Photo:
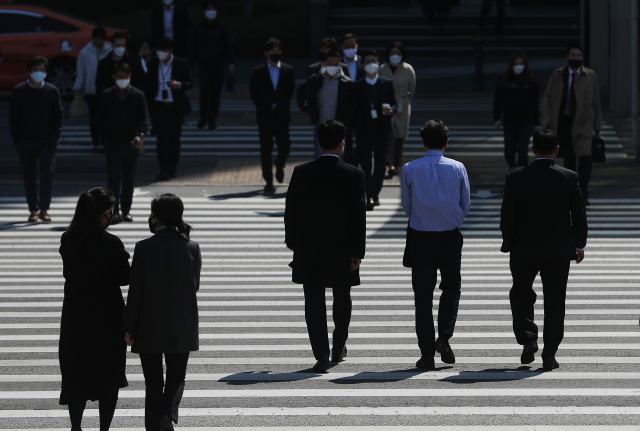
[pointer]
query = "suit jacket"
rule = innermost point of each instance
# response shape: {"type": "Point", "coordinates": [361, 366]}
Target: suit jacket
{"type": "Point", "coordinates": [361, 73]}
{"type": "Point", "coordinates": [316, 67]}
{"type": "Point", "coordinates": [264, 96]}
{"type": "Point", "coordinates": [121, 121]}
{"type": "Point", "coordinates": [162, 309]}
{"type": "Point", "coordinates": [181, 73]}
{"type": "Point", "coordinates": [104, 75]}
{"type": "Point", "coordinates": [543, 215]}
{"type": "Point", "coordinates": [181, 27]}
{"type": "Point", "coordinates": [325, 222]}
{"type": "Point", "coordinates": [307, 96]}
{"type": "Point", "coordinates": [384, 94]}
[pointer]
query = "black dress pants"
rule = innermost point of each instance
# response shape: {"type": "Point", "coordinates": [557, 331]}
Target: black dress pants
{"type": "Point", "coordinates": [122, 158]}
{"type": "Point", "coordinates": [554, 276]}
{"type": "Point", "coordinates": [159, 402]}
{"type": "Point", "coordinates": [167, 122]}
{"type": "Point", "coordinates": [430, 252]}
{"type": "Point", "coordinates": [315, 314]}
{"type": "Point", "coordinates": [37, 156]}
{"type": "Point", "coordinates": [92, 107]}
{"type": "Point", "coordinates": [275, 125]}
{"type": "Point", "coordinates": [372, 140]}
{"type": "Point", "coordinates": [567, 152]}
{"type": "Point", "coordinates": [106, 407]}
{"type": "Point", "coordinates": [211, 81]}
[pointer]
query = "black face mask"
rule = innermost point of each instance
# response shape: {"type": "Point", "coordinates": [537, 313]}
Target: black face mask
{"type": "Point", "coordinates": [152, 226]}
{"type": "Point", "coordinates": [275, 57]}
{"type": "Point", "coordinates": [575, 63]}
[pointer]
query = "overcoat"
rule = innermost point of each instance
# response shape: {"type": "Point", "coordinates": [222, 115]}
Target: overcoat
{"type": "Point", "coordinates": [404, 84]}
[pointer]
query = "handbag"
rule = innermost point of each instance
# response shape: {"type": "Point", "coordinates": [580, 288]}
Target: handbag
{"type": "Point", "coordinates": [598, 149]}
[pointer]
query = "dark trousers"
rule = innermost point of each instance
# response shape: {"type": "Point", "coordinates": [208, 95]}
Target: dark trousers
{"type": "Point", "coordinates": [122, 158]}
{"type": "Point", "coordinates": [516, 139]}
{"type": "Point", "coordinates": [486, 8]}
{"type": "Point", "coordinates": [37, 156]}
{"type": "Point", "coordinates": [430, 252]}
{"type": "Point", "coordinates": [554, 276]}
{"type": "Point", "coordinates": [268, 128]}
{"type": "Point", "coordinates": [167, 123]}
{"type": "Point", "coordinates": [372, 140]}
{"type": "Point", "coordinates": [159, 402]}
{"type": "Point", "coordinates": [211, 81]}
{"type": "Point", "coordinates": [396, 147]}
{"type": "Point", "coordinates": [315, 314]}
{"type": "Point", "coordinates": [106, 407]}
{"type": "Point", "coordinates": [567, 152]}
{"type": "Point", "coordinates": [92, 107]}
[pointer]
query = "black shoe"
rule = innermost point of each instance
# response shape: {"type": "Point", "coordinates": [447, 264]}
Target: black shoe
{"type": "Point", "coordinates": [446, 354]}
{"type": "Point", "coordinates": [163, 176]}
{"type": "Point", "coordinates": [280, 175]}
{"type": "Point", "coordinates": [322, 366]}
{"type": "Point", "coordinates": [201, 124]}
{"type": "Point", "coordinates": [586, 202]}
{"type": "Point", "coordinates": [212, 125]}
{"type": "Point", "coordinates": [115, 219]}
{"type": "Point", "coordinates": [550, 364]}
{"type": "Point", "coordinates": [376, 201]}
{"type": "Point", "coordinates": [173, 174]}
{"type": "Point", "coordinates": [426, 363]}
{"type": "Point", "coordinates": [166, 424]}
{"type": "Point", "coordinates": [127, 218]}
{"type": "Point", "coordinates": [392, 172]}
{"type": "Point", "coordinates": [339, 356]}
{"type": "Point", "coordinates": [370, 205]}
{"type": "Point", "coordinates": [528, 351]}
{"type": "Point", "coordinates": [269, 188]}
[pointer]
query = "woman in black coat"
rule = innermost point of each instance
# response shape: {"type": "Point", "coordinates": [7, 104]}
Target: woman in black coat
{"type": "Point", "coordinates": [161, 317]}
{"type": "Point", "coordinates": [92, 352]}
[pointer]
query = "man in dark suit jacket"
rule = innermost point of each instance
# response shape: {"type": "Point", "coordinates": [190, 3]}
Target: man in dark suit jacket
{"type": "Point", "coordinates": [271, 87]}
{"type": "Point", "coordinates": [319, 191]}
{"type": "Point", "coordinates": [376, 105]}
{"type": "Point", "coordinates": [354, 62]}
{"type": "Point", "coordinates": [168, 80]}
{"type": "Point", "coordinates": [104, 74]}
{"type": "Point", "coordinates": [544, 227]}
{"type": "Point", "coordinates": [172, 20]}
{"type": "Point", "coordinates": [327, 44]}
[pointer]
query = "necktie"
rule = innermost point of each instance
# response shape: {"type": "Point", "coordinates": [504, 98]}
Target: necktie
{"type": "Point", "coordinates": [572, 95]}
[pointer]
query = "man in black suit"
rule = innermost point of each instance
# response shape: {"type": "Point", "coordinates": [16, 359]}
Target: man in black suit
{"type": "Point", "coordinates": [349, 45]}
{"type": "Point", "coordinates": [327, 44]}
{"type": "Point", "coordinates": [326, 190]}
{"type": "Point", "coordinates": [544, 227]}
{"type": "Point", "coordinates": [104, 74]}
{"type": "Point", "coordinates": [168, 80]}
{"type": "Point", "coordinates": [376, 105]}
{"type": "Point", "coordinates": [172, 20]}
{"type": "Point", "coordinates": [271, 87]}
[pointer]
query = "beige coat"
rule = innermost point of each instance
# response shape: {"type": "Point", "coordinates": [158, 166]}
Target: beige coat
{"type": "Point", "coordinates": [404, 84]}
{"type": "Point", "coordinates": [588, 112]}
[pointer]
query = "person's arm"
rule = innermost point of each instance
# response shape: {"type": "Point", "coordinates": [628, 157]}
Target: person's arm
{"type": "Point", "coordinates": [292, 210]}
{"type": "Point", "coordinates": [498, 104]}
{"type": "Point", "coordinates": [579, 224]}
{"type": "Point", "coordinates": [186, 83]}
{"type": "Point", "coordinates": [14, 115]}
{"type": "Point", "coordinates": [358, 219]}
{"type": "Point", "coordinates": [405, 191]}
{"type": "Point", "coordinates": [597, 109]}
{"type": "Point", "coordinates": [291, 84]}
{"type": "Point", "coordinates": [508, 215]}
{"type": "Point", "coordinates": [100, 75]}
{"type": "Point", "coordinates": [465, 193]}
{"type": "Point", "coordinates": [412, 84]}
{"type": "Point", "coordinates": [58, 114]}
{"type": "Point", "coordinates": [546, 104]}
{"type": "Point", "coordinates": [197, 267]}
{"type": "Point", "coordinates": [301, 95]}
{"type": "Point", "coordinates": [352, 100]}
{"type": "Point", "coordinates": [134, 296]}
{"type": "Point", "coordinates": [535, 103]}
{"type": "Point", "coordinates": [121, 270]}
{"type": "Point", "coordinates": [391, 98]}
{"type": "Point", "coordinates": [78, 86]}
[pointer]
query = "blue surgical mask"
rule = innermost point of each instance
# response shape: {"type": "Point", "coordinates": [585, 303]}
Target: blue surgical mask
{"type": "Point", "coordinates": [38, 76]}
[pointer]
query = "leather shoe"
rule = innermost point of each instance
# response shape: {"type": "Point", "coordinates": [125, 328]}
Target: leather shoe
{"type": "Point", "coordinates": [127, 218]}
{"type": "Point", "coordinates": [166, 424]}
{"type": "Point", "coordinates": [163, 176]}
{"type": "Point", "coordinates": [528, 351]}
{"type": "Point", "coordinates": [279, 174]}
{"type": "Point", "coordinates": [370, 205]}
{"type": "Point", "coordinates": [550, 364]}
{"type": "Point", "coordinates": [338, 356]}
{"type": "Point", "coordinates": [322, 366]}
{"type": "Point", "coordinates": [446, 354]}
{"type": "Point", "coordinates": [269, 188]}
{"type": "Point", "coordinates": [44, 216]}
{"type": "Point", "coordinates": [426, 363]}
{"type": "Point", "coordinates": [376, 201]}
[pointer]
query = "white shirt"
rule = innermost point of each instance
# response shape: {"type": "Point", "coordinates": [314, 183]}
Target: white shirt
{"type": "Point", "coordinates": [168, 21]}
{"type": "Point", "coordinates": [164, 77]}
{"type": "Point", "coordinates": [571, 77]}
{"type": "Point", "coordinates": [353, 67]}
{"type": "Point", "coordinates": [144, 64]}
{"type": "Point", "coordinates": [372, 81]}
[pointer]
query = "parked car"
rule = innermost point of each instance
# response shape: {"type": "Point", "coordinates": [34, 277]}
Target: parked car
{"type": "Point", "coordinates": [27, 31]}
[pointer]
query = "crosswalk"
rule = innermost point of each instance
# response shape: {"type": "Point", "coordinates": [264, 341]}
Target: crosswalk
{"type": "Point", "coordinates": [253, 371]}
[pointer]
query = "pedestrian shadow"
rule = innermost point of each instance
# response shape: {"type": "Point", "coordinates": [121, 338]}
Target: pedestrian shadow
{"type": "Point", "coordinates": [257, 377]}
{"type": "Point", "coordinates": [249, 194]}
{"type": "Point", "coordinates": [268, 214]}
{"type": "Point", "coordinates": [26, 224]}
{"type": "Point", "coordinates": [494, 375]}
{"type": "Point", "coordinates": [385, 376]}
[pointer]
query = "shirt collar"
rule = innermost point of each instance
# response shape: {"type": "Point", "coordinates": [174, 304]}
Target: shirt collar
{"type": "Point", "coordinates": [334, 155]}
{"type": "Point", "coordinates": [434, 153]}
{"type": "Point", "coordinates": [169, 63]}
{"type": "Point", "coordinates": [372, 81]}
{"type": "Point", "coordinates": [355, 59]}
{"type": "Point", "coordinates": [277, 66]}
{"type": "Point", "coordinates": [41, 86]}
{"type": "Point", "coordinates": [578, 72]}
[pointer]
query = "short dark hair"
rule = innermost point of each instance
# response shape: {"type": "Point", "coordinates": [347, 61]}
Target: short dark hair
{"type": "Point", "coordinates": [164, 43]}
{"type": "Point", "coordinates": [207, 3]}
{"type": "Point", "coordinates": [574, 45]}
{"type": "Point", "coordinates": [330, 43]}
{"type": "Point", "coordinates": [118, 35]}
{"type": "Point", "coordinates": [98, 31]}
{"type": "Point", "coordinates": [545, 141]}
{"type": "Point", "coordinates": [332, 53]}
{"type": "Point", "coordinates": [395, 44]}
{"type": "Point", "coordinates": [348, 36]}
{"type": "Point", "coordinates": [366, 52]}
{"type": "Point", "coordinates": [271, 44]}
{"type": "Point", "coordinates": [330, 134]}
{"type": "Point", "coordinates": [121, 66]}
{"type": "Point", "coordinates": [434, 134]}
{"type": "Point", "coordinates": [36, 61]}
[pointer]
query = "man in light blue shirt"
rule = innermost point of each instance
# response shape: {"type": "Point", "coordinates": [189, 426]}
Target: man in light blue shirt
{"type": "Point", "coordinates": [435, 197]}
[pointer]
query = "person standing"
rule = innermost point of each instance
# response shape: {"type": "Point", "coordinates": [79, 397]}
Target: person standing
{"type": "Point", "coordinates": [436, 198]}
{"type": "Point", "coordinates": [572, 109]}
{"type": "Point", "coordinates": [172, 20]}
{"type": "Point", "coordinates": [544, 227]}
{"type": "Point", "coordinates": [144, 54]}
{"type": "Point", "coordinates": [323, 191]}
{"type": "Point", "coordinates": [168, 80]}
{"type": "Point", "coordinates": [86, 71]}
{"type": "Point", "coordinates": [376, 105]}
{"type": "Point", "coordinates": [329, 95]}
{"type": "Point", "coordinates": [516, 106]}
{"type": "Point", "coordinates": [122, 121]}
{"type": "Point", "coordinates": [35, 124]}
{"type": "Point", "coordinates": [349, 45]}
{"type": "Point", "coordinates": [104, 73]}
{"type": "Point", "coordinates": [327, 44]}
{"type": "Point", "coordinates": [211, 51]}
{"type": "Point", "coordinates": [404, 85]}
{"type": "Point", "coordinates": [271, 87]}
{"type": "Point", "coordinates": [92, 352]}
{"type": "Point", "coordinates": [161, 316]}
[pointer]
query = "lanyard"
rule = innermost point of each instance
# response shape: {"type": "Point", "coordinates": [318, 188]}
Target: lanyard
{"type": "Point", "coordinates": [162, 72]}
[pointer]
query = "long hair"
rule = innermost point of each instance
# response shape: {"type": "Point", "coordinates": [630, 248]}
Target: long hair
{"type": "Point", "coordinates": [510, 77]}
{"type": "Point", "coordinates": [168, 209]}
{"type": "Point", "coordinates": [85, 225]}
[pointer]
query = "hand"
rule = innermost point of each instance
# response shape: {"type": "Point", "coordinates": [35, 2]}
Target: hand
{"type": "Point", "coordinates": [387, 111]}
{"type": "Point", "coordinates": [128, 339]}
{"type": "Point", "coordinates": [232, 70]}
{"type": "Point", "coordinates": [173, 84]}
{"type": "Point", "coordinates": [355, 263]}
{"type": "Point", "coordinates": [139, 142]}
{"type": "Point", "coordinates": [579, 256]}
{"type": "Point", "coordinates": [498, 125]}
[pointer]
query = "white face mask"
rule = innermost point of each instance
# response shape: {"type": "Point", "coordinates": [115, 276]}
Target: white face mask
{"type": "Point", "coordinates": [119, 51]}
{"type": "Point", "coordinates": [518, 69]}
{"type": "Point", "coordinates": [371, 68]}
{"type": "Point", "coordinates": [162, 55]}
{"type": "Point", "coordinates": [167, 2]}
{"type": "Point", "coordinates": [331, 70]}
{"type": "Point", "coordinates": [211, 14]}
{"type": "Point", "coordinates": [350, 52]}
{"type": "Point", "coordinates": [38, 76]}
{"type": "Point", "coordinates": [123, 83]}
{"type": "Point", "coordinates": [395, 59]}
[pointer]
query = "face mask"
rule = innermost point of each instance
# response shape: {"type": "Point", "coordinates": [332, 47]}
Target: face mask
{"type": "Point", "coordinates": [162, 55]}
{"type": "Point", "coordinates": [167, 2]}
{"type": "Point", "coordinates": [275, 57]}
{"type": "Point", "coordinates": [350, 52]}
{"type": "Point", "coordinates": [37, 76]}
{"type": "Point", "coordinates": [152, 226]}
{"type": "Point", "coordinates": [395, 59]}
{"type": "Point", "coordinates": [575, 63]}
{"type": "Point", "coordinates": [371, 68]}
{"type": "Point", "coordinates": [119, 51]}
{"type": "Point", "coordinates": [518, 69]}
{"type": "Point", "coordinates": [123, 83]}
{"type": "Point", "coordinates": [332, 70]}
{"type": "Point", "coordinates": [211, 14]}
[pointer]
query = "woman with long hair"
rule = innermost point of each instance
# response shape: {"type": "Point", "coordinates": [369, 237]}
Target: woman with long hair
{"type": "Point", "coordinates": [516, 107]}
{"type": "Point", "coordinates": [92, 352]}
{"type": "Point", "coordinates": [161, 317]}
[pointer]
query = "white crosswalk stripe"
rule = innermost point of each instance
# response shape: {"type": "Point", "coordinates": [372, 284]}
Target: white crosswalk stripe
{"type": "Point", "coordinates": [253, 368]}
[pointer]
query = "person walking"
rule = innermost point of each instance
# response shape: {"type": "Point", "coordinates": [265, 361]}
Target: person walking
{"type": "Point", "coordinates": [123, 121]}
{"type": "Point", "coordinates": [404, 85]}
{"type": "Point", "coordinates": [544, 227]}
{"type": "Point", "coordinates": [35, 124]}
{"type": "Point", "coordinates": [321, 191]}
{"type": "Point", "coordinates": [144, 55]}
{"type": "Point", "coordinates": [211, 54]}
{"type": "Point", "coordinates": [329, 95]}
{"type": "Point", "coordinates": [349, 45]}
{"type": "Point", "coordinates": [516, 107]}
{"type": "Point", "coordinates": [271, 88]}
{"type": "Point", "coordinates": [572, 109]}
{"type": "Point", "coordinates": [436, 198]}
{"type": "Point", "coordinates": [161, 316]}
{"type": "Point", "coordinates": [92, 351]}
{"type": "Point", "coordinates": [171, 20]}
{"type": "Point", "coordinates": [168, 81]}
{"type": "Point", "coordinates": [376, 105]}
{"type": "Point", "coordinates": [327, 44]}
{"type": "Point", "coordinates": [85, 84]}
{"type": "Point", "coordinates": [104, 73]}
